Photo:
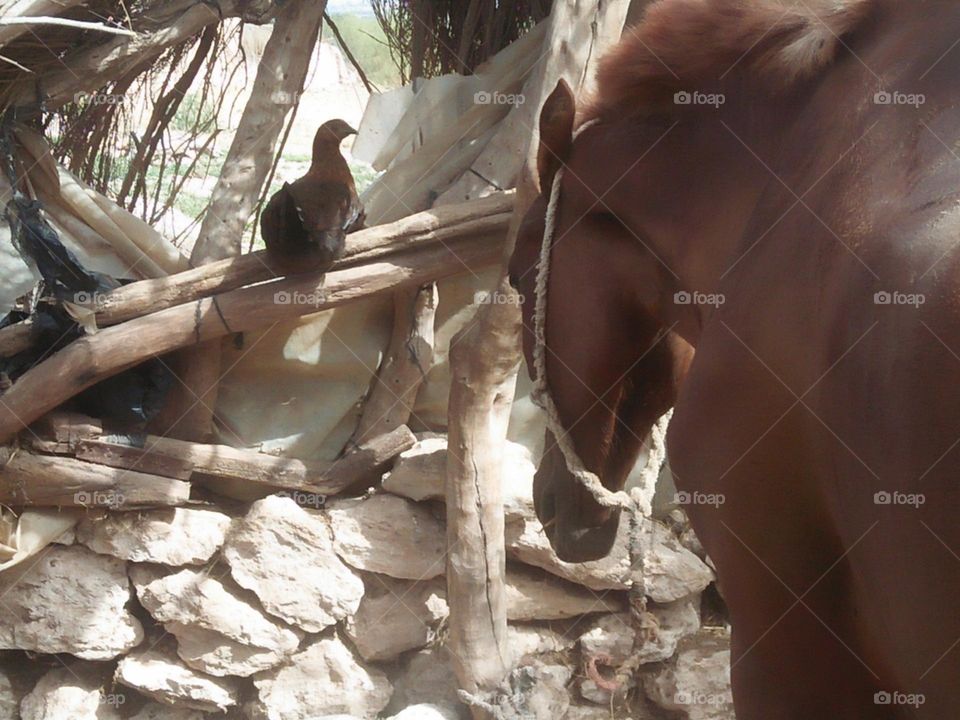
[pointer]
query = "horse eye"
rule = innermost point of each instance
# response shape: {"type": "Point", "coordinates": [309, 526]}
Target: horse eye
{"type": "Point", "coordinates": [300, 214]}
{"type": "Point", "coordinates": [513, 280]}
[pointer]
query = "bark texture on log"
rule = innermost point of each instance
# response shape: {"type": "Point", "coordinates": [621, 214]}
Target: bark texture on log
{"type": "Point", "coordinates": [47, 480]}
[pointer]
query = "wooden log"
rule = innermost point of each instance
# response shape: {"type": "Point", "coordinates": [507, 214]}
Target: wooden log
{"type": "Point", "coordinates": [40, 20]}
{"type": "Point", "coordinates": [484, 220]}
{"type": "Point", "coordinates": [484, 360]}
{"type": "Point", "coordinates": [281, 74]}
{"type": "Point", "coordinates": [16, 338]}
{"type": "Point", "coordinates": [405, 364]}
{"type": "Point", "coordinates": [134, 458]}
{"type": "Point", "coordinates": [28, 8]}
{"type": "Point", "coordinates": [48, 480]}
{"type": "Point", "coordinates": [93, 358]}
{"type": "Point", "coordinates": [479, 221]}
{"type": "Point", "coordinates": [72, 432]}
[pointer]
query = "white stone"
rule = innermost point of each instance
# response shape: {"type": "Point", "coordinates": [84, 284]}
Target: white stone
{"type": "Point", "coordinates": [218, 630]}
{"type": "Point", "coordinates": [699, 683]}
{"type": "Point", "coordinates": [532, 691]}
{"type": "Point", "coordinates": [158, 673]}
{"type": "Point", "coordinates": [156, 711]}
{"type": "Point", "coordinates": [70, 600]}
{"type": "Point", "coordinates": [324, 679]}
{"type": "Point", "coordinates": [397, 615]}
{"type": "Point", "coordinates": [173, 536]}
{"type": "Point", "coordinates": [672, 572]}
{"type": "Point", "coordinates": [70, 694]}
{"type": "Point", "coordinates": [390, 535]}
{"type": "Point", "coordinates": [537, 595]}
{"type": "Point", "coordinates": [420, 473]}
{"type": "Point", "coordinates": [426, 712]}
{"type": "Point", "coordinates": [528, 641]}
{"type": "Point", "coordinates": [285, 555]}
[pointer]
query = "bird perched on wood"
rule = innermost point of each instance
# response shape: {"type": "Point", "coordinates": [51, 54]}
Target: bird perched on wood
{"type": "Point", "coordinates": [310, 217]}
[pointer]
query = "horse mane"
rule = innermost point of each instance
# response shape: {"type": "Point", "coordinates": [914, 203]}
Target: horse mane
{"type": "Point", "coordinates": [687, 45]}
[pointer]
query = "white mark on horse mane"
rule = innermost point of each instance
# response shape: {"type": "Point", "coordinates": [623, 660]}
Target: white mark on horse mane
{"type": "Point", "coordinates": [688, 44]}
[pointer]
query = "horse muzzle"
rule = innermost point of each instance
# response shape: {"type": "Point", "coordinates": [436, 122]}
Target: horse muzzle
{"type": "Point", "coordinates": [578, 528]}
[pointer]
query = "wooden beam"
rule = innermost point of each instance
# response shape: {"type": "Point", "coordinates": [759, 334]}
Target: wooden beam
{"type": "Point", "coordinates": [92, 358]}
{"type": "Point", "coordinates": [66, 432]}
{"type": "Point", "coordinates": [48, 480]}
{"type": "Point", "coordinates": [484, 220]}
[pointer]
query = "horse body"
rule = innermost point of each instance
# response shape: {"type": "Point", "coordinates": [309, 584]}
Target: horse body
{"type": "Point", "coordinates": [823, 401]}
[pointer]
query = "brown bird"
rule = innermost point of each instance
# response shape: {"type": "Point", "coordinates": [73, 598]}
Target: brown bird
{"type": "Point", "coordinates": [310, 217]}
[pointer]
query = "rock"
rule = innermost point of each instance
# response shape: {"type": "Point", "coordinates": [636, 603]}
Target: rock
{"type": "Point", "coordinates": [420, 472]}
{"type": "Point", "coordinates": [532, 691]}
{"type": "Point", "coordinates": [699, 682]}
{"type": "Point", "coordinates": [285, 555]}
{"type": "Point", "coordinates": [425, 712]}
{"type": "Point", "coordinates": [528, 641]}
{"type": "Point", "coordinates": [158, 673]}
{"type": "Point", "coordinates": [74, 694]}
{"type": "Point", "coordinates": [536, 595]}
{"type": "Point", "coordinates": [672, 572]}
{"type": "Point", "coordinates": [614, 636]}
{"type": "Point", "coordinates": [218, 630]}
{"type": "Point", "coordinates": [155, 711]}
{"type": "Point", "coordinates": [71, 600]}
{"type": "Point", "coordinates": [426, 678]}
{"type": "Point", "coordinates": [397, 615]}
{"type": "Point", "coordinates": [389, 535]}
{"type": "Point", "coordinates": [173, 536]}
{"type": "Point", "coordinates": [324, 679]}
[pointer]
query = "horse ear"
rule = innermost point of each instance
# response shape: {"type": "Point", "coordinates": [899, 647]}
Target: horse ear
{"type": "Point", "coordinates": [556, 133]}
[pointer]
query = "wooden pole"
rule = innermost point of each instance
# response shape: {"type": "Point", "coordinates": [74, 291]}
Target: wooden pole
{"type": "Point", "coordinates": [484, 360]}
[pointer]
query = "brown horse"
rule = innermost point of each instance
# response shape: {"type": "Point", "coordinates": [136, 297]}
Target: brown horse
{"type": "Point", "coordinates": [774, 183]}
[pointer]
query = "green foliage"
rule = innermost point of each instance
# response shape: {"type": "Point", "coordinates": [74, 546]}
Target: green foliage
{"type": "Point", "coordinates": [365, 38]}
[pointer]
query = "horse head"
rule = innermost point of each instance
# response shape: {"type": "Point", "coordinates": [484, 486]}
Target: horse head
{"type": "Point", "coordinates": [611, 369]}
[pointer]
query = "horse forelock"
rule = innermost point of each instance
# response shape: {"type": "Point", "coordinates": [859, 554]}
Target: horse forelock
{"type": "Point", "coordinates": [685, 45]}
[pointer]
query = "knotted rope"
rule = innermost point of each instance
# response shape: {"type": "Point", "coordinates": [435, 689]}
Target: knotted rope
{"type": "Point", "coordinates": [541, 392]}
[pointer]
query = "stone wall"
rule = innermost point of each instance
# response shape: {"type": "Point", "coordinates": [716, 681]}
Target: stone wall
{"type": "Point", "coordinates": [295, 607]}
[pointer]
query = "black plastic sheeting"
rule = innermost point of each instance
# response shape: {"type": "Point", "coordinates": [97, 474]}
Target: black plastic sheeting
{"type": "Point", "coordinates": [127, 401]}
